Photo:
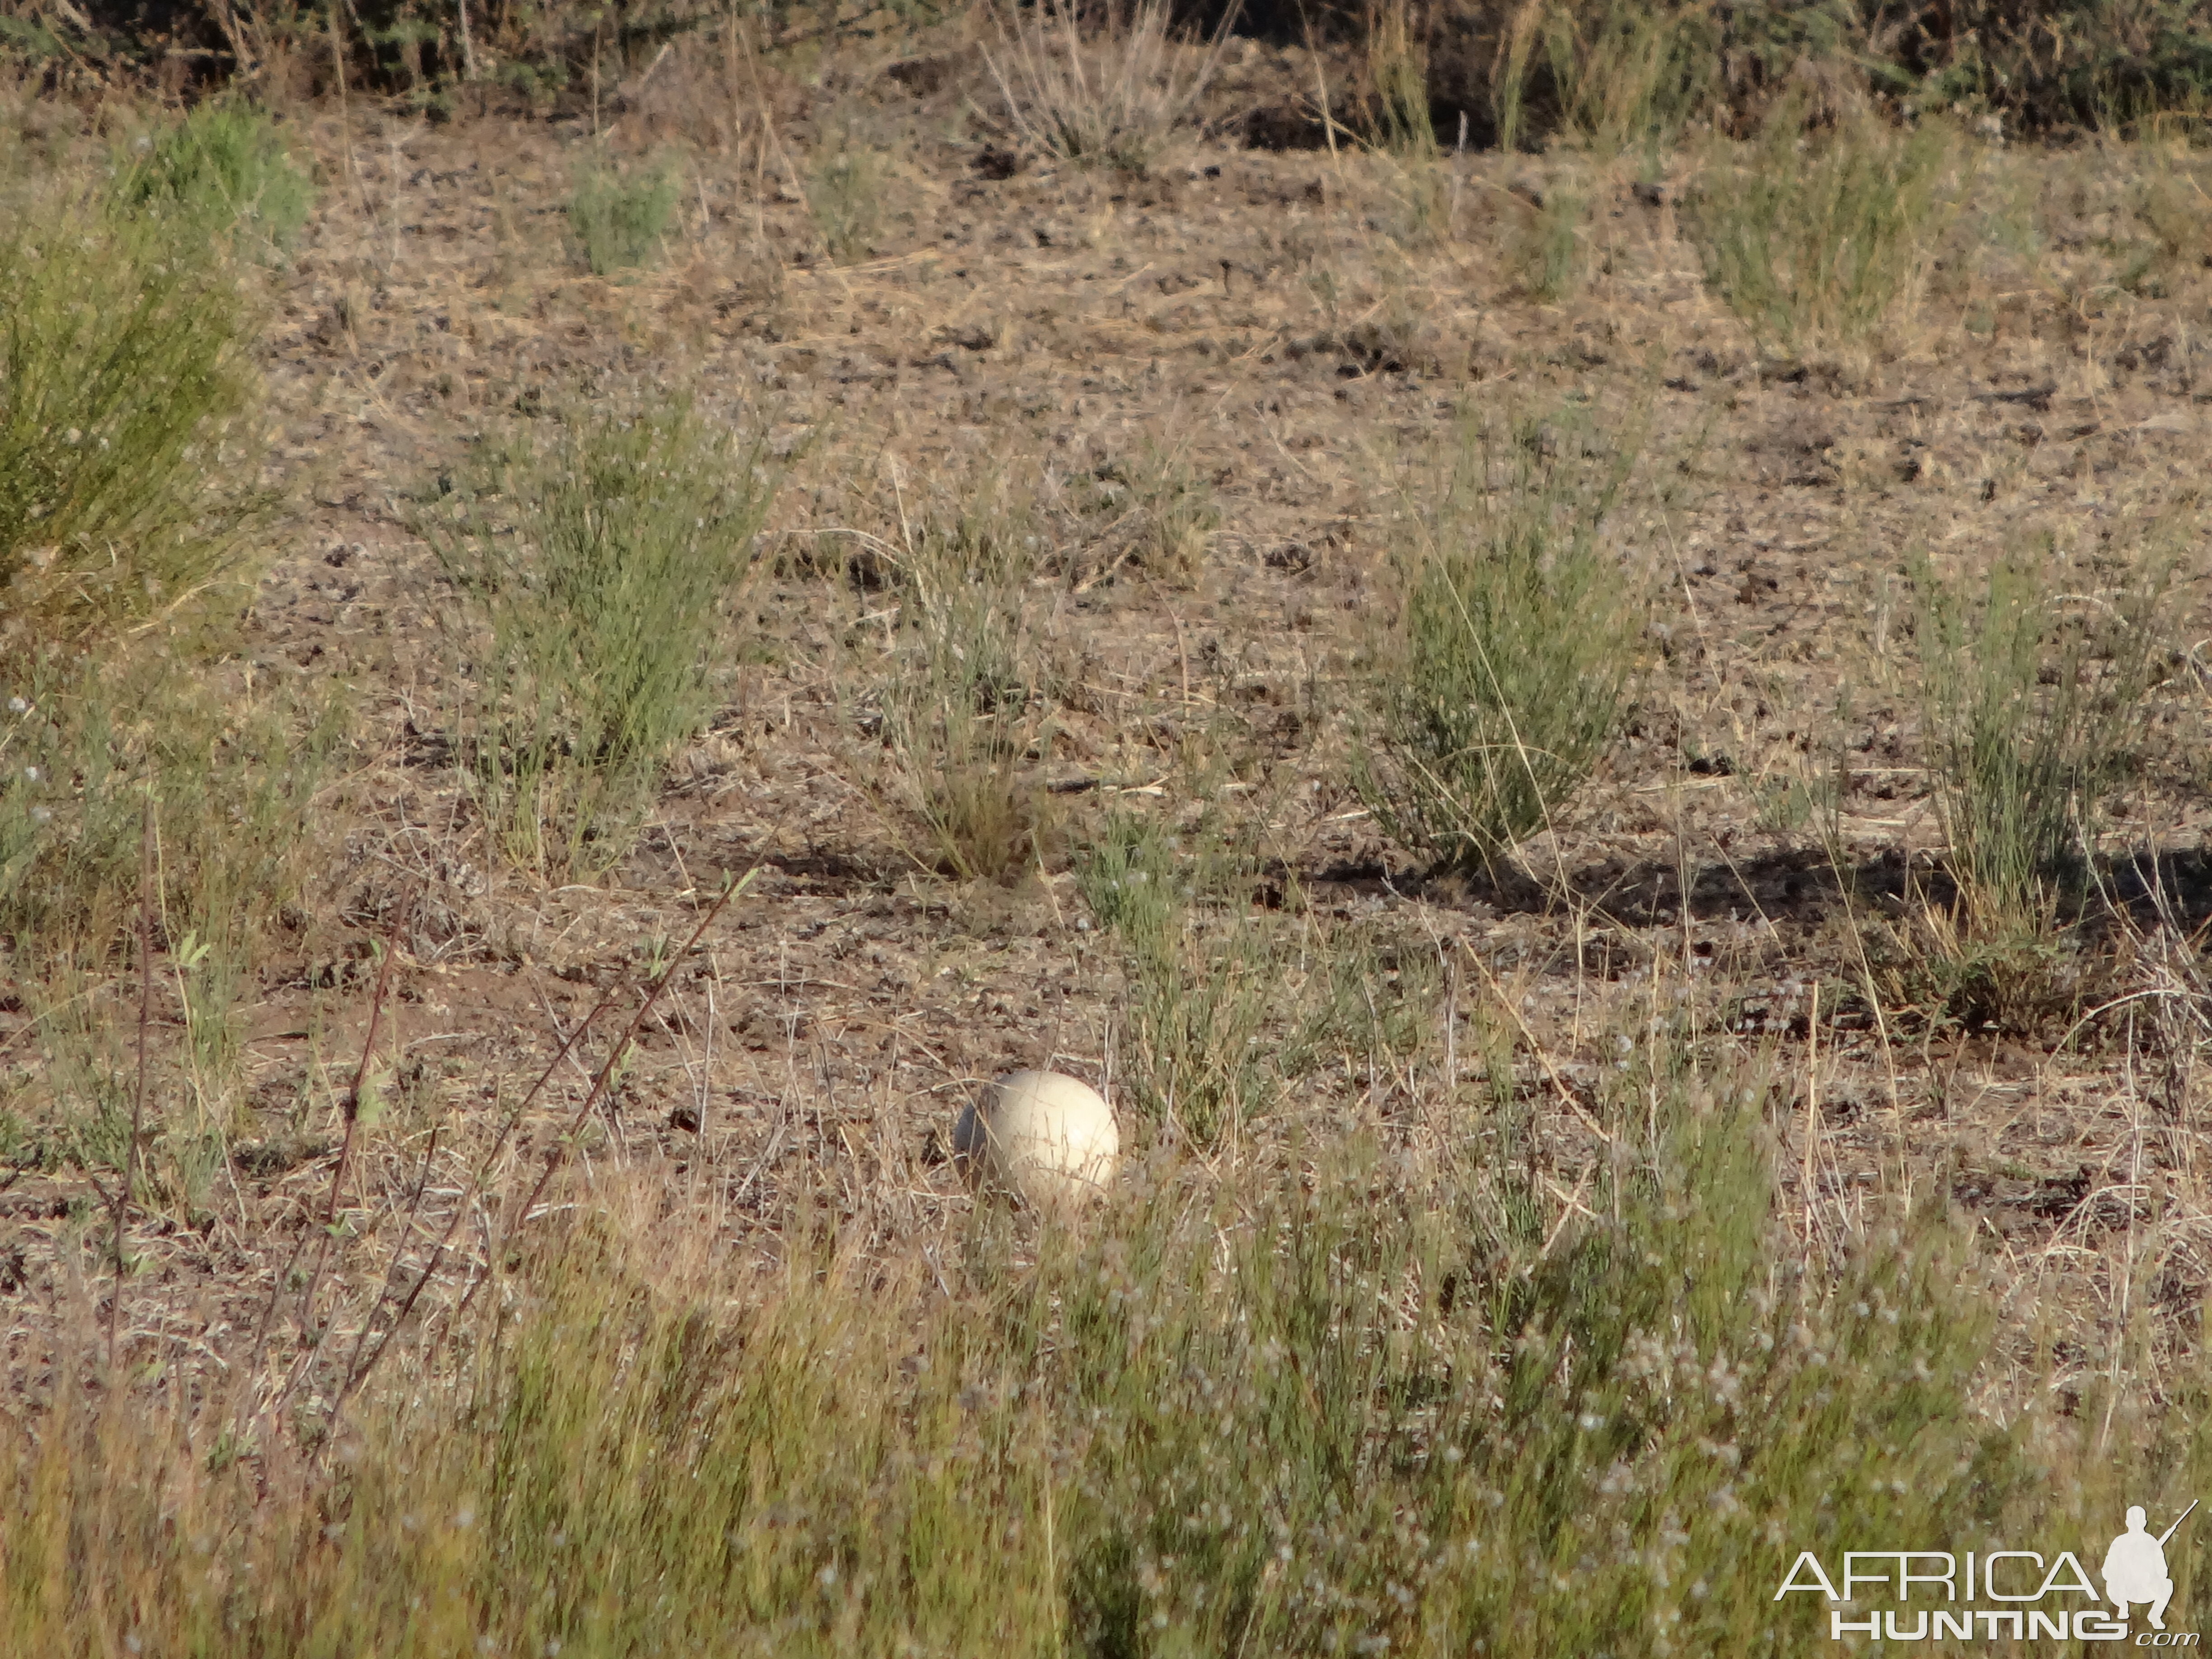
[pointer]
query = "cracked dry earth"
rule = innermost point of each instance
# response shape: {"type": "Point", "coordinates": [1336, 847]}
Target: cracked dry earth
{"type": "Point", "coordinates": [1289, 334]}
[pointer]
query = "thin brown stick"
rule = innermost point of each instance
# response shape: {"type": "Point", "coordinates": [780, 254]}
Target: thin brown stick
{"type": "Point", "coordinates": [349, 1108]}
{"type": "Point", "coordinates": [557, 1155]}
{"type": "Point", "coordinates": [399, 1249]}
{"type": "Point", "coordinates": [354, 1369]}
{"type": "Point", "coordinates": [121, 1201]}
{"type": "Point", "coordinates": [145, 989]}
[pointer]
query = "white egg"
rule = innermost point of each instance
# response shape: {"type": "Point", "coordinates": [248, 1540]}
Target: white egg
{"type": "Point", "coordinates": [1050, 1138]}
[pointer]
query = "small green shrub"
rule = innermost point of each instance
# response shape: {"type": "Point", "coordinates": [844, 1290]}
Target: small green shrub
{"type": "Point", "coordinates": [124, 383]}
{"type": "Point", "coordinates": [1508, 671]}
{"type": "Point", "coordinates": [619, 214]}
{"type": "Point", "coordinates": [845, 195]}
{"type": "Point", "coordinates": [962, 710]}
{"type": "Point", "coordinates": [1548, 250]}
{"type": "Point", "coordinates": [89, 744]}
{"type": "Point", "coordinates": [1821, 236]}
{"type": "Point", "coordinates": [2033, 710]}
{"type": "Point", "coordinates": [2032, 713]}
{"type": "Point", "coordinates": [594, 570]}
{"type": "Point", "coordinates": [224, 167]}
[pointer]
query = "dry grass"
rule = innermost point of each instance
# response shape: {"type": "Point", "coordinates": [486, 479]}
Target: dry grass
{"type": "Point", "coordinates": [395, 1114]}
{"type": "Point", "coordinates": [1107, 88]}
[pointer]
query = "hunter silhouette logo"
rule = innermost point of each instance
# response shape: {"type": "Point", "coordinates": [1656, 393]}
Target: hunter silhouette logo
{"type": "Point", "coordinates": [1912, 1595]}
{"type": "Point", "coordinates": [2134, 1567]}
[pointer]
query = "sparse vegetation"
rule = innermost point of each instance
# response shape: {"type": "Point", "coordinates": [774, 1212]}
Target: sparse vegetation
{"type": "Point", "coordinates": [1227, 1010]}
{"type": "Point", "coordinates": [1344, 1413]}
{"type": "Point", "coordinates": [1397, 73]}
{"type": "Point", "coordinates": [1205, 980]}
{"type": "Point", "coordinates": [1508, 671]}
{"type": "Point", "coordinates": [96, 747]}
{"type": "Point", "coordinates": [1158, 513]}
{"type": "Point", "coordinates": [1108, 89]}
{"type": "Point", "coordinates": [1821, 236]}
{"type": "Point", "coordinates": [124, 455]}
{"type": "Point", "coordinates": [2034, 705]}
{"type": "Point", "coordinates": [2034, 709]}
{"type": "Point", "coordinates": [619, 212]}
{"type": "Point", "coordinates": [224, 167]}
{"type": "Point", "coordinates": [1611, 78]}
{"type": "Point", "coordinates": [961, 710]}
{"type": "Point", "coordinates": [1652, 1026]}
{"type": "Point", "coordinates": [594, 569]}
{"type": "Point", "coordinates": [846, 192]}
{"type": "Point", "coordinates": [1550, 249]}
{"type": "Point", "coordinates": [128, 505]}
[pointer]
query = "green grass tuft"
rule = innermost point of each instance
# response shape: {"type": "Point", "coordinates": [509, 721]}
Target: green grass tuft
{"type": "Point", "coordinates": [963, 709]}
{"type": "Point", "coordinates": [2033, 711]}
{"type": "Point", "coordinates": [1821, 237]}
{"type": "Point", "coordinates": [594, 569]}
{"type": "Point", "coordinates": [619, 214]}
{"type": "Point", "coordinates": [224, 167]}
{"type": "Point", "coordinates": [124, 387]}
{"type": "Point", "coordinates": [846, 196]}
{"type": "Point", "coordinates": [1508, 669]}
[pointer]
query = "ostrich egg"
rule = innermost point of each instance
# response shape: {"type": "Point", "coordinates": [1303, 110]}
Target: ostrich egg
{"type": "Point", "coordinates": [1050, 1138]}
